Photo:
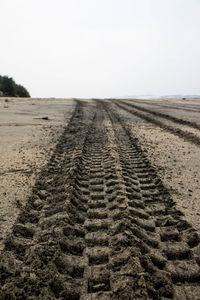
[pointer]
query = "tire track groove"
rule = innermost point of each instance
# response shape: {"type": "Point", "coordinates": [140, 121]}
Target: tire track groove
{"type": "Point", "coordinates": [187, 136]}
{"type": "Point", "coordinates": [43, 256]}
{"type": "Point", "coordinates": [174, 107]}
{"type": "Point", "coordinates": [165, 116]}
{"type": "Point", "coordinates": [166, 252]}
{"type": "Point", "coordinates": [99, 224]}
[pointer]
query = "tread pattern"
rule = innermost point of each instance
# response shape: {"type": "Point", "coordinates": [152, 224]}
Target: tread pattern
{"type": "Point", "coordinates": [183, 134]}
{"type": "Point", "coordinates": [99, 224]}
{"type": "Point", "coordinates": [163, 115]}
{"type": "Point", "coordinates": [165, 239]}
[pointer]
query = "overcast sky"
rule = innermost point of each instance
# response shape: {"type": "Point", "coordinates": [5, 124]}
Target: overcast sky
{"type": "Point", "coordinates": [101, 48]}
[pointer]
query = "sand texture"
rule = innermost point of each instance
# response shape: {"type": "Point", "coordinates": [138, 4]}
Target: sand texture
{"type": "Point", "coordinates": [99, 199]}
{"type": "Point", "coordinates": [26, 144]}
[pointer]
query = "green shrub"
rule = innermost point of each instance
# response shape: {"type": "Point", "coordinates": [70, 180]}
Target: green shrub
{"type": "Point", "coordinates": [21, 91]}
{"type": "Point", "coordinates": [9, 88]}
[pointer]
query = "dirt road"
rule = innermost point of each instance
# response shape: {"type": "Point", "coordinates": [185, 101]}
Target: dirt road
{"type": "Point", "coordinates": [100, 223]}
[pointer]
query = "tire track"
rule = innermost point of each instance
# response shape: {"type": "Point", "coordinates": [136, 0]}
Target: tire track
{"type": "Point", "coordinates": [187, 136]}
{"type": "Point", "coordinates": [99, 224]}
{"type": "Point", "coordinates": [108, 248]}
{"type": "Point", "coordinates": [169, 247]}
{"type": "Point", "coordinates": [43, 255]}
{"type": "Point", "coordinates": [182, 107]}
{"type": "Point", "coordinates": [165, 116]}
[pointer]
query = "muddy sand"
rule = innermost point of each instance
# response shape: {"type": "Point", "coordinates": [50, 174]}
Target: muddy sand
{"type": "Point", "coordinates": [99, 199]}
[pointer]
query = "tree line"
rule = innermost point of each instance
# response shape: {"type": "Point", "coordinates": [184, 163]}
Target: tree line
{"type": "Point", "coordinates": [9, 88]}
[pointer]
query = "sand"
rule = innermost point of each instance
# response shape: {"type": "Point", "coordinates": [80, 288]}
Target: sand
{"type": "Point", "coordinates": [176, 158]}
{"type": "Point", "coordinates": [27, 142]}
{"type": "Point", "coordinates": [99, 199]}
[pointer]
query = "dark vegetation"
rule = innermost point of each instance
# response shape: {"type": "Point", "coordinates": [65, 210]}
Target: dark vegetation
{"type": "Point", "coordinates": [8, 87]}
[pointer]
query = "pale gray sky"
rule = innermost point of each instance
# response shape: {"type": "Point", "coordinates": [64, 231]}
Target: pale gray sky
{"type": "Point", "coordinates": [101, 48]}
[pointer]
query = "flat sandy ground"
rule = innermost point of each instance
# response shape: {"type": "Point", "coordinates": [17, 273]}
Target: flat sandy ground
{"type": "Point", "coordinates": [26, 144]}
{"type": "Point", "coordinates": [99, 199]}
